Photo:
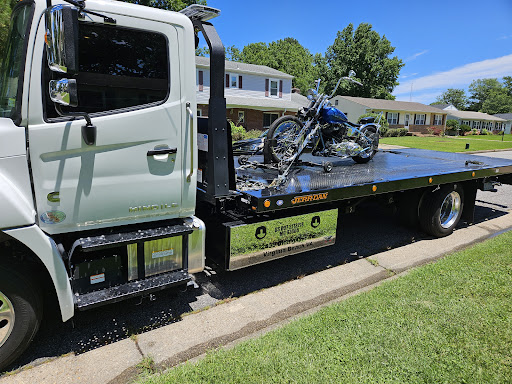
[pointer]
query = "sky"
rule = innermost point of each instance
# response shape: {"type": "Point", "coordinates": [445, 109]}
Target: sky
{"type": "Point", "coordinates": [444, 44]}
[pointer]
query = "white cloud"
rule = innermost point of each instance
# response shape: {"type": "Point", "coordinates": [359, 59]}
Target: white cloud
{"type": "Point", "coordinates": [416, 55]}
{"type": "Point", "coordinates": [408, 75]}
{"type": "Point", "coordinates": [504, 37]}
{"type": "Point", "coordinates": [458, 77]}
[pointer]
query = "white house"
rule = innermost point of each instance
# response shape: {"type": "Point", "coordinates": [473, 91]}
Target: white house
{"type": "Point", "coordinates": [256, 95]}
{"type": "Point", "coordinates": [507, 125]}
{"type": "Point", "coordinates": [416, 117]}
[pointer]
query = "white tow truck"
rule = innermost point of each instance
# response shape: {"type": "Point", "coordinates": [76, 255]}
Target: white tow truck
{"type": "Point", "coordinates": [111, 188]}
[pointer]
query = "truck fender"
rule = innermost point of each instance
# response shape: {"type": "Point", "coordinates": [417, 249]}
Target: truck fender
{"type": "Point", "coordinates": [46, 250]}
{"type": "Point", "coordinates": [16, 210]}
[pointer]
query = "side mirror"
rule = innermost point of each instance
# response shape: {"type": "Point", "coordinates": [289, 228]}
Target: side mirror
{"type": "Point", "coordinates": [61, 38]}
{"type": "Point", "coordinates": [351, 73]}
{"type": "Point", "coordinates": [64, 92]}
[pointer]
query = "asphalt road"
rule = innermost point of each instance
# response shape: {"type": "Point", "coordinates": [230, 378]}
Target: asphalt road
{"type": "Point", "coordinates": [372, 229]}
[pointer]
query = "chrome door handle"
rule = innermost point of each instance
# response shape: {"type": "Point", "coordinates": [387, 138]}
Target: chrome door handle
{"type": "Point", "coordinates": [191, 117]}
{"type": "Point", "coordinates": [162, 151]}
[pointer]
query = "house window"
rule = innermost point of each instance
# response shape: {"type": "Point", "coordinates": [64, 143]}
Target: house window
{"type": "Point", "coordinates": [420, 119]}
{"type": "Point", "coordinates": [269, 118]}
{"type": "Point", "coordinates": [241, 117]}
{"type": "Point", "coordinates": [200, 81]}
{"type": "Point", "coordinates": [438, 119]}
{"type": "Point", "coordinates": [273, 87]}
{"type": "Point", "coordinates": [476, 124]}
{"type": "Point", "coordinates": [465, 122]}
{"type": "Point", "coordinates": [233, 82]}
{"type": "Point", "coordinates": [393, 118]}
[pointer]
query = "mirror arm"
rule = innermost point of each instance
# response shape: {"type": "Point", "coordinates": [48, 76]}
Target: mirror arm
{"type": "Point", "coordinates": [88, 130]}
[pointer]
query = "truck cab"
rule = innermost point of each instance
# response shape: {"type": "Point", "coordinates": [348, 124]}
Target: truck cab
{"type": "Point", "coordinates": [97, 158]}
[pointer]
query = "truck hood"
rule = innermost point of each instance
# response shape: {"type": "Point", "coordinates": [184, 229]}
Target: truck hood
{"type": "Point", "coordinates": [12, 139]}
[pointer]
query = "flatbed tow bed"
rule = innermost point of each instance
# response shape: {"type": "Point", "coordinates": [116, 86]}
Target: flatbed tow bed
{"type": "Point", "coordinates": [389, 171]}
{"type": "Point", "coordinates": [431, 189]}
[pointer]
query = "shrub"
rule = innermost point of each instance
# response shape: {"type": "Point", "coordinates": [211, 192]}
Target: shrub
{"type": "Point", "coordinates": [485, 132]}
{"type": "Point", "coordinates": [464, 128]}
{"type": "Point", "coordinates": [383, 122]}
{"type": "Point", "coordinates": [434, 131]}
{"type": "Point", "coordinates": [383, 131]}
{"type": "Point", "coordinates": [474, 131]}
{"type": "Point", "coordinates": [451, 132]}
{"type": "Point", "coordinates": [402, 131]}
{"type": "Point", "coordinates": [237, 132]}
{"type": "Point", "coordinates": [452, 124]}
{"type": "Point", "coordinates": [253, 134]}
{"type": "Point", "coordinates": [392, 132]}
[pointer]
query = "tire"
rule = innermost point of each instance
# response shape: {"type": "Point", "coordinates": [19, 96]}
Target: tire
{"type": "Point", "coordinates": [373, 134]}
{"type": "Point", "coordinates": [283, 132]}
{"type": "Point", "coordinates": [441, 210]}
{"type": "Point", "coordinates": [20, 314]}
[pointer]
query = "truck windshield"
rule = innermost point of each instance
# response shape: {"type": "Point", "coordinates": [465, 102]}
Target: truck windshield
{"type": "Point", "coordinates": [11, 74]}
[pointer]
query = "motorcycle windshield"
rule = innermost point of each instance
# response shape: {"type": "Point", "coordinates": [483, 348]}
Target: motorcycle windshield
{"type": "Point", "coordinates": [12, 69]}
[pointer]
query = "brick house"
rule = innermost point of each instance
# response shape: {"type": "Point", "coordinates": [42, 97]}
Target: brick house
{"type": "Point", "coordinates": [256, 95]}
{"type": "Point", "coordinates": [416, 117]}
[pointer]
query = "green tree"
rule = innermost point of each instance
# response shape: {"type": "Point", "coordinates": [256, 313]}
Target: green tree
{"type": "Point", "coordinates": [497, 101]}
{"type": "Point", "coordinates": [5, 18]}
{"type": "Point", "coordinates": [456, 97]}
{"type": "Point", "coordinates": [369, 55]}
{"type": "Point", "coordinates": [171, 5]}
{"type": "Point", "coordinates": [286, 55]}
{"type": "Point", "coordinates": [480, 90]}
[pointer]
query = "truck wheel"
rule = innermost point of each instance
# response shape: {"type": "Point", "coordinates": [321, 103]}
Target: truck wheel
{"type": "Point", "coordinates": [20, 314]}
{"type": "Point", "coordinates": [440, 211]}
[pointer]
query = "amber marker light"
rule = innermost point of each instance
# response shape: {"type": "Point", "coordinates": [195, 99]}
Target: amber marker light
{"type": "Point", "coordinates": [473, 174]}
{"type": "Point", "coordinates": [374, 188]}
{"type": "Point", "coordinates": [430, 180]}
{"type": "Point", "coordinates": [266, 203]}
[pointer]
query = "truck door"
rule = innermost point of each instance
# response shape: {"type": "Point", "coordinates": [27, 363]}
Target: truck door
{"type": "Point", "coordinates": [129, 83]}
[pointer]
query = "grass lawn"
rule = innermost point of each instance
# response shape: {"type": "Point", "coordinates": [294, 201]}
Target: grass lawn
{"type": "Point", "coordinates": [450, 143]}
{"type": "Point", "coordinates": [448, 322]}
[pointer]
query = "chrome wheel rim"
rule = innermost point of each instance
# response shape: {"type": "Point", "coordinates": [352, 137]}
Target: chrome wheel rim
{"type": "Point", "coordinates": [6, 318]}
{"type": "Point", "coordinates": [286, 137]}
{"type": "Point", "coordinates": [450, 210]}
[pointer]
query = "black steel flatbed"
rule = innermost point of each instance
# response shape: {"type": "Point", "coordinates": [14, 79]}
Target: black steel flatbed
{"type": "Point", "coordinates": [389, 171]}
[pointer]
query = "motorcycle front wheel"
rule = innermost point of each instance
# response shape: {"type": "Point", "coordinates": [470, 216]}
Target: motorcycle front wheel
{"type": "Point", "coordinates": [373, 134]}
{"type": "Point", "coordinates": [281, 141]}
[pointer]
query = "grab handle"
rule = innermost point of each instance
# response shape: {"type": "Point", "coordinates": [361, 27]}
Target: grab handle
{"type": "Point", "coordinates": [191, 117]}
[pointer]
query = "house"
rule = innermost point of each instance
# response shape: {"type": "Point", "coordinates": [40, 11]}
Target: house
{"type": "Point", "coordinates": [416, 117]}
{"type": "Point", "coordinates": [256, 95]}
{"type": "Point", "coordinates": [507, 125]}
{"type": "Point", "coordinates": [476, 120]}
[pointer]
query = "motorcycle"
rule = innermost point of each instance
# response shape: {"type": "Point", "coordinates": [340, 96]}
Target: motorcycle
{"type": "Point", "coordinates": [323, 127]}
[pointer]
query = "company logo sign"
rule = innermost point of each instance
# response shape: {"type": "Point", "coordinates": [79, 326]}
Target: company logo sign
{"type": "Point", "coordinates": [309, 198]}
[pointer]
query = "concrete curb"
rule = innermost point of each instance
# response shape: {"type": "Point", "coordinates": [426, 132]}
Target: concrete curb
{"type": "Point", "coordinates": [249, 316]}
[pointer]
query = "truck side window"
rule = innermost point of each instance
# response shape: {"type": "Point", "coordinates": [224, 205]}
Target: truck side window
{"type": "Point", "coordinates": [118, 68]}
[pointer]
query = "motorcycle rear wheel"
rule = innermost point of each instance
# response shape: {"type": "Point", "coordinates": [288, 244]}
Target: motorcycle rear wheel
{"type": "Point", "coordinates": [372, 133]}
{"type": "Point", "coordinates": [280, 143]}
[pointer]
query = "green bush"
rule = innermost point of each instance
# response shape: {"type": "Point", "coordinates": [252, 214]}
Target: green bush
{"type": "Point", "coordinates": [402, 131]}
{"type": "Point", "coordinates": [383, 122]}
{"type": "Point", "coordinates": [485, 132]}
{"type": "Point", "coordinates": [383, 131]}
{"type": "Point", "coordinates": [253, 133]}
{"type": "Point", "coordinates": [452, 124]}
{"type": "Point", "coordinates": [474, 131]}
{"type": "Point", "coordinates": [237, 132]}
{"type": "Point", "coordinates": [464, 128]}
{"type": "Point", "coordinates": [451, 132]}
{"type": "Point", "coordinates": [393, 133]}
